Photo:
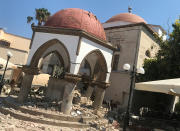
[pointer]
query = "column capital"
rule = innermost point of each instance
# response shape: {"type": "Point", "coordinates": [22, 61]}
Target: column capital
{"type": "Point", "coordinates": [100, 84]}
{"type": "Point", "coordinates": [30, 70]}
{"type": "Point", "coordinates": [72, 78]}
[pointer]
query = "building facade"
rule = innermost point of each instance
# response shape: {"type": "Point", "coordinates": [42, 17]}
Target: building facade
{"type": "Point", "coordinates": [135, 40]}
{"type": "Point", "coordinates": [17, 45]}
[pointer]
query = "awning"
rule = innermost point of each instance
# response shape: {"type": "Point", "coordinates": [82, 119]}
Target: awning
{"type": "Point", "coordinates": [169, 86]}
{"type": "Point", "coordinates": [3, 62]}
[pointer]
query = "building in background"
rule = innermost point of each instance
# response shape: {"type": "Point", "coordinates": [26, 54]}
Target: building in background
{"type": "Point", "coordinates": [132, 35]}
{"type": "Point", "coordinates": [17, 45]}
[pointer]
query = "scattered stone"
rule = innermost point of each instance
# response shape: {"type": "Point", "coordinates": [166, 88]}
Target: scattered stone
{"type": "Point", "coordinates": [10, 128]}
{"type": "Point", "coordinates": [83, 110]}
{"type": "Point", "coordinates": [8, 115]}
{"type": "Point", "coordinates": [115, 124]}
{"type": "Point", "coordinates": [73, 113]}
{"type": "Point", "coordinates": [78, 112]}
{"type": "Point", "coordinates": [83, 100]}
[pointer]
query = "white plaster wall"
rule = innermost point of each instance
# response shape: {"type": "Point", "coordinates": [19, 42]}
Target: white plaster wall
{"type": "Point", "coordinates": [116, 23]}
{"type": "Point", "coordinates": [86, 47]}
{"type": "Point", "coordinates": [69, 41]}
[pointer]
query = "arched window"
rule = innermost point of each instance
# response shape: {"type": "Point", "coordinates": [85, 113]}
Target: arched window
{"type": "Point", "coordinates": [148, 54]}
{"type": "Point", "coordinates": [115, 62]}
{"type": "Point", "coordinates": [4, 43]}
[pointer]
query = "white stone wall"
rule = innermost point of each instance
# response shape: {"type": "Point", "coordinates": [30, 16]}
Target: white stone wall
{"type": "Point", "coordinates": [86, 47]}
{"type": "Point", "coordinates": [71, 43]}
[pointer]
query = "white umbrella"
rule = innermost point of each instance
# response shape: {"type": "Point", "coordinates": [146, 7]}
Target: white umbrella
{"type": "Point", "coordinates": [3, 62]}
{"type": "Point", "coordinates": [168, 86]}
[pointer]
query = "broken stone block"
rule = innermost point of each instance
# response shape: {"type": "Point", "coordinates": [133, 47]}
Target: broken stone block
{"type": "Point", "coordinates": [79, 113]}
{"type": "Point", "coordinates": [98, 113]}
{"type": "Point", "coordinates": [10, 128]}
{"type": "Point", "coordinates": [73, 113]}
{"type": "Point", "coordinates": [83, 100]}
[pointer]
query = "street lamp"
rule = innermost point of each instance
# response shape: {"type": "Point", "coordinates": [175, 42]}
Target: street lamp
{"type": "Point", "coordinates": [9, 55]}
{"type": "Point", "coordinates": [133, 73]}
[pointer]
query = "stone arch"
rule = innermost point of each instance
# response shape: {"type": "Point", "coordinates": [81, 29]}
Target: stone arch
{"type": "Point", "coordinates": [48, 47]}
{"type": "Point", "coordinates": [98, 66]}
{"type": "Point", "coordinates": [46, 64]}
{"type": "Point", "coordinates": [87, 65]}
{"type": "Point", "coordinates": [57, 54]}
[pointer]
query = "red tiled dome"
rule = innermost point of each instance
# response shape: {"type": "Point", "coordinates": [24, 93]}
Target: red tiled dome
{"type": "Point", "coordinates": [77, 19]}
{"type": "Point", "coordinates": [126, 17]}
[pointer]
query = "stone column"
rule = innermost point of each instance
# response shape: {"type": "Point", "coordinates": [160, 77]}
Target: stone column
{"type": "Point", "coordinates": [27, 82]}
{"type": "Point", "coordinates": [67, 98]}
{"type": "Point", "coordinates": [99, 96]}
{"type": "Point", "coordinates": [89, 92]}
{"type": "Point", "coordinates": [68, 92]}
{"type": "Point", "coordinates": [55, 89]}
{"type": "Point", "coordinates": [25, 88]}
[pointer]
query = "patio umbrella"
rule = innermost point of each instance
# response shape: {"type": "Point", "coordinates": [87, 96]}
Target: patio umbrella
{"type": "Point", "coordinates": [168, 86]}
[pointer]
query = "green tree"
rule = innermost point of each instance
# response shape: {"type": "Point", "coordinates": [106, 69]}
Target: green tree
{"type": "Point", "coordinates": [41, 16]}
{"type": "Point", "coordinates": [166, 64]}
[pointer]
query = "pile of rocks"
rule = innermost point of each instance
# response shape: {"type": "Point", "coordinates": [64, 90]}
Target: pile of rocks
{"type": "Point", "coordinates": [81, 109]}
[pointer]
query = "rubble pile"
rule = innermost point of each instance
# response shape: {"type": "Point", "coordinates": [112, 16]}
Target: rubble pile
{"type": "Point", "coordinates": [81, 108]}
{"type": "Point", "coordinates": [8, 123]}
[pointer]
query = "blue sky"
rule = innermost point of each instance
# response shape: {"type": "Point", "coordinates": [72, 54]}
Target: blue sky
{"type": "Point", "coordinates": [13, 13]}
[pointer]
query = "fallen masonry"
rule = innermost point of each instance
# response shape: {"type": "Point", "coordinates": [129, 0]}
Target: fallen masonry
{"type": "Point", "coordinates": [45, 116]}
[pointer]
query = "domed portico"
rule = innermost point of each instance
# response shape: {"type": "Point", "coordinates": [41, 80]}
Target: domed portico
{"type": "Point", "coordinates": [73, 34]}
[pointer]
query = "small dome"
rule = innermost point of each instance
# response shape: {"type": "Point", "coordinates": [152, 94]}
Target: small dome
{"type": "Point", "coordinates": [127, 17]}
{"type": "Point", "coordinates": [77, 19]}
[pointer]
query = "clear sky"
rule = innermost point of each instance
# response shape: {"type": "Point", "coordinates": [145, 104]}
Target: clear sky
{"type": "Point", "coordinates": [13, 13]}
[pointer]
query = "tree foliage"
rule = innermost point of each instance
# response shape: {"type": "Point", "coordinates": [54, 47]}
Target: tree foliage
{"type": "Point", "coordinates": [166, 64]}
{"type": "Point", "coordinates": [41, 16]}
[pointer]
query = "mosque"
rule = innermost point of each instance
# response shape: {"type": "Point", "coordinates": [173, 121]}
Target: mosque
{"type": "Point", "coordinates": [90, 50]}
{"type": "Point", "coordinates": [135, 40]}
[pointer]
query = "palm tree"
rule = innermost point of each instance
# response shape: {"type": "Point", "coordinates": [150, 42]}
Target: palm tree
{"type": "Point", "coordinates": [29, 19]}
{"type": "Point", "coordinates": [41, 16]}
